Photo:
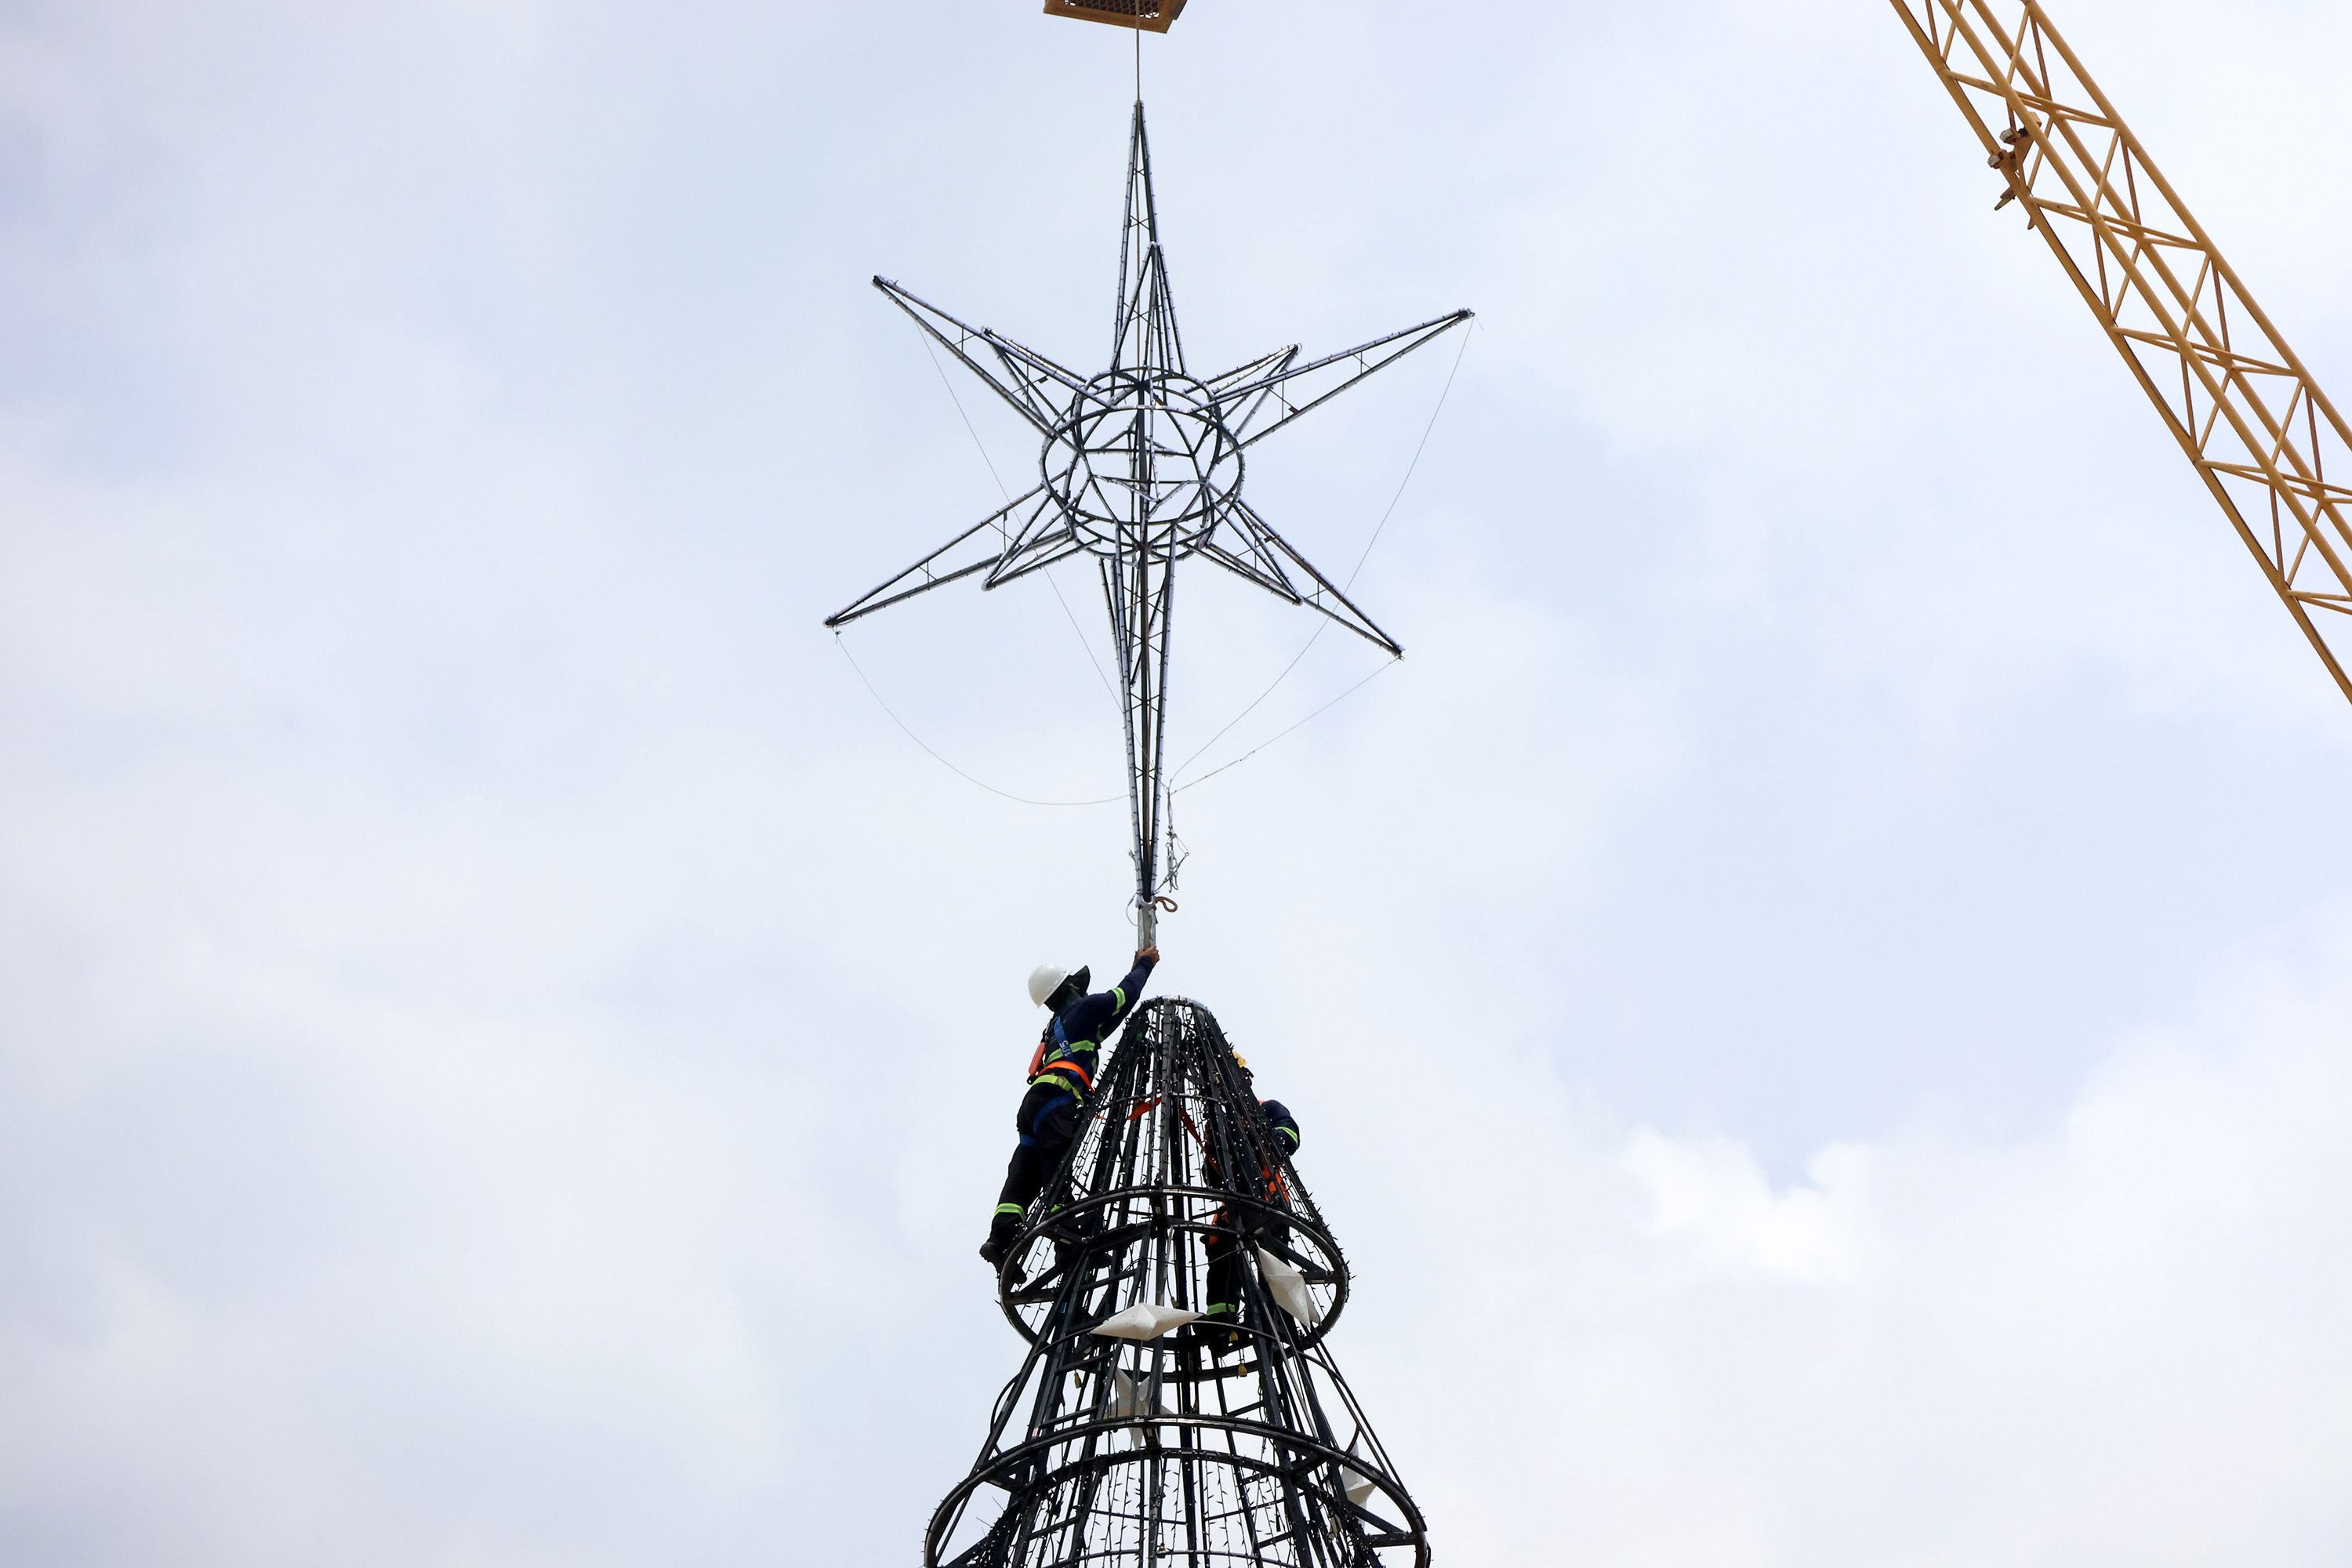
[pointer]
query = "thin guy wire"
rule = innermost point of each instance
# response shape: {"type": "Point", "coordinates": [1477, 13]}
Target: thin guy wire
{"type": "Point", "coordinates": [1262, 745]}
{"type": "Point", "coordinates": [1048, 572]}
{"type": "Point", "coordinates": [1426, 431]}
{"type": "Point", "coordinates": [842, 643]}
{"type": "Point", "coordinates": [1445, 392]}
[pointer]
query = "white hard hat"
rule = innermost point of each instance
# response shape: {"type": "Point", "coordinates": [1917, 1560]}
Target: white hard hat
{"type": "Point", "coordinates": [1045, 980]}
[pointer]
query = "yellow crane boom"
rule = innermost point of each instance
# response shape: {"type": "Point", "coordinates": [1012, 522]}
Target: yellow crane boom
{"type": "Point", "coordinates": [2240, 404]}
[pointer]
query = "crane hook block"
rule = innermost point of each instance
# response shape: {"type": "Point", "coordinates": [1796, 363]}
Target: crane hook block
{"type": "Point", "coordinates": [1151, 15]}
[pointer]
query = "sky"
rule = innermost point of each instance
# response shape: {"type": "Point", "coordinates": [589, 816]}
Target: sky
{"type": "Point", "coordinates": [1819, 994]}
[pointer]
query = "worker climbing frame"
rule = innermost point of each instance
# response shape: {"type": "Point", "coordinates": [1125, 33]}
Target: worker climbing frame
{"type": "Point", "coordinates": [1144, 1427]}
{"type": "Point", "coordinates": [1141, 469]}
{"type": "Point", "coordinates": [2249, 415]}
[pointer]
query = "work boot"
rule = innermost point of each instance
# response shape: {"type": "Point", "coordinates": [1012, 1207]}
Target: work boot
{"type": "Point", "coordinates": [999, 1246]}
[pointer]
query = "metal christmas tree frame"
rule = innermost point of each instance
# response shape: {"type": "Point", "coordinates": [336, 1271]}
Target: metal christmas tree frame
{"type": "Point", "coordinates": [1109, 1449]}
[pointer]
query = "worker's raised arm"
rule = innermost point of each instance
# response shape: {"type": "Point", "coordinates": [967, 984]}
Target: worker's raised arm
{"type": "Point", "coordinates": [1127, 992]}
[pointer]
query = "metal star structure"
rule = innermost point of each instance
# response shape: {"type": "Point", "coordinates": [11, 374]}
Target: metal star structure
{"type": "Point", "coordinates": [1141, 468]}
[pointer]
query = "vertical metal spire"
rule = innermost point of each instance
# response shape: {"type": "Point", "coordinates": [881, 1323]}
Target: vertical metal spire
{"type": "Point", "coordinates": [1139, 582]}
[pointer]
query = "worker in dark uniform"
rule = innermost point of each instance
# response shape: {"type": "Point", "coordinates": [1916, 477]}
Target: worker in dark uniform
{"type": "Point", "coordinates": [1061, 1076]}
{"type": "Point", "coordinates": [1220, 1325]}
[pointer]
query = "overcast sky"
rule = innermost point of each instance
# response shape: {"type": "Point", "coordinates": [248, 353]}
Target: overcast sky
{"type": "Point", "coordinates": [1819, 994]}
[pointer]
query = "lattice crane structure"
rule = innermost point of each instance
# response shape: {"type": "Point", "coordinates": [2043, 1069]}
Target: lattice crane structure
{"type": "Point", "coordinates": [1141, 470]}
{"type": "Point", "coordinates": [2233, 395]}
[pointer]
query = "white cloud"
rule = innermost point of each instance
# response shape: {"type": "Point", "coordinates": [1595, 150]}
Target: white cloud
{"type": "Point", "coordinates": [1712, 1197]}
{"type": "Point", "coordinates": [505, 1053]}
{"type": "Point", "coordinates": [2118, 1341]}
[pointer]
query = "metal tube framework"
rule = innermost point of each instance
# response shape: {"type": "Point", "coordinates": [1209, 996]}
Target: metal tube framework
{"type": "Point", "coordinates": [1140, 467]}
{"type": "Point", "coordinates": [1176, 1449]}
